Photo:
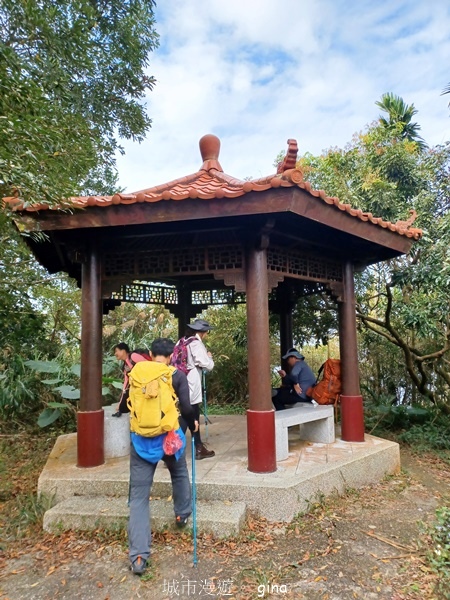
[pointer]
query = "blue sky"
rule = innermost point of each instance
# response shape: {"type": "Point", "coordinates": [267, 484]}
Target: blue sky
{"type": "Point", "coordinates": [256, 73]}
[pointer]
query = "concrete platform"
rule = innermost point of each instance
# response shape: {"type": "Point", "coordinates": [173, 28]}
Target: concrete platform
{"type": "Point", "coordinates": [311, 470]}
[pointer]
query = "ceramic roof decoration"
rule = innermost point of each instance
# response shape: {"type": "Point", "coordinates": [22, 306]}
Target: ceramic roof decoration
{"type": "Point", "coordinates": [210, 182]}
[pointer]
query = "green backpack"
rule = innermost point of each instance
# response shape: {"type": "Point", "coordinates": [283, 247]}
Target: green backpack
{"type": "Point", "coordinates": [152, 400]}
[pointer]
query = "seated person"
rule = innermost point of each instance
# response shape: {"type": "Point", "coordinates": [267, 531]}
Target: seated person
{"type": "Point", "coordinates": [295, 383]}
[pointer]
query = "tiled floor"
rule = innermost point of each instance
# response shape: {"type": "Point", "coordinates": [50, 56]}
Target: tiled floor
{"type": "Point", "coordinates": [227, 436]}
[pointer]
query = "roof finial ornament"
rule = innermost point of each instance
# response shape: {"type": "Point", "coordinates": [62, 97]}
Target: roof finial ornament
{"type": "Point", "coordinates": [210, 150]}
{"type": "Point", "coordinates": [290, 159]}
{"type": "Point", "coordinates": [405, 225]}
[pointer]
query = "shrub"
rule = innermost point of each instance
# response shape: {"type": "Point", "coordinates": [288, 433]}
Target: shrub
{"type": "Point", "coordinates": [438, 554]}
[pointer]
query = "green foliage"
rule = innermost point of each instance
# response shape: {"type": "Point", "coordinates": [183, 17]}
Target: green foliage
{"type": "Point", "coordinates": [438, 554]}
{"type": "Point", "coordinates": [399, 118]}
{"type": "Point", "coordinates": [377, 172]}
{"type": "Point", "coordinates": [431, 436]}
{"type": "Point", "coordinates": [226, 409]}
{"type": "Point", "coordinates": [137, 325]}
{"type": "Point", "coordinates": [65, 377]}
{"type": "Point", "coordinates": [227, 382]}
{"type": "Point", "coordinates": [72, 78]}
{"type": "Point", "coordinates": [20, 391]}
{"type": "Point", "coordinates": [388, 172]}
{"type": "Point", "coordinates": [314, 320]}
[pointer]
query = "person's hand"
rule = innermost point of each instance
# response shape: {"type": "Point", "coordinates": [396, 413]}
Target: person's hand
{"type": "Point", "coordinates": [298, 389]}
{"type": "Point", "coordinates": [196, 427]}
{"type": "Point", "coordinates": [209, 354]}
{"type": "Point", "coordinates": [282, 373]}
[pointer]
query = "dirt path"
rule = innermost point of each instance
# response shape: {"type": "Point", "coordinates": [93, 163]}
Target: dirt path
{"type": "Point", "coordinates": [364, 545]}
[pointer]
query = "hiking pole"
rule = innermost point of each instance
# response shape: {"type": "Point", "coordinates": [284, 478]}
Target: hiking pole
{"type": "Point", "coordinates": [205, 413]}
{"type": "Point", "coordinates": [194, 502]}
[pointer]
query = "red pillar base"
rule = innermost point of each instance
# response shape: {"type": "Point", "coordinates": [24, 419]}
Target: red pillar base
{"type": "Point", "coordinates": [352, 418]}
{"type": "Point", "coordinates": [90, 440]}
{"type": "Point", "coordinates": [261, 441]}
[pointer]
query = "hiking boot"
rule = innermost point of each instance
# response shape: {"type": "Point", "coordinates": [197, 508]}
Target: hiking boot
{"type": "Point", "coordinates": [181, 521]}
{"type": "Point", "coordinates": [202, 452]}
{"type": "Point", "coordinates": [138, 566]}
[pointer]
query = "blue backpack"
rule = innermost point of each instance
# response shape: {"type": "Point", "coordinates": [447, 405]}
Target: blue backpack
{"type": "Point", "coordinates": [180, 354]}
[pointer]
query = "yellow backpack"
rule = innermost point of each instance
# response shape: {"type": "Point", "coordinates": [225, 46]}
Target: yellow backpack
{"type": "Point", "coordinates": [152, 399]}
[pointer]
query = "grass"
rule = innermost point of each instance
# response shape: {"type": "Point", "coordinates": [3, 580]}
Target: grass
{"type": "Point", "coordinates": [226, 409]}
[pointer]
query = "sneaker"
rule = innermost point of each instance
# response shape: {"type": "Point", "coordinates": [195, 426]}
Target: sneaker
{"type": "Point", "coordinates": [181, 521]}
{"type": "Point", "coordinates": [202, 452]}
{"type": "Point", "coordinates": [117, 414]}
{"type": "Point", "coordinates": [138, 566]}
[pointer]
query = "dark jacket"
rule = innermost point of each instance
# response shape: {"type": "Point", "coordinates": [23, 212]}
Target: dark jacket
{"type": "Point", "coordinates": [181, 387]}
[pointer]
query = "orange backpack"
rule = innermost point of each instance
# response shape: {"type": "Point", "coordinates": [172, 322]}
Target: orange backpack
{"type": "Point", "coordinates": [328, 389]}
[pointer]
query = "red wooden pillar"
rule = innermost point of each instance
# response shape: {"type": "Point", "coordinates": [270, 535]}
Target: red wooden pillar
{"type": "Point", "coordinates": [260, 416]}
{"type": "Point", "coordinates": [90, 419]}
{"type": "Point", "coordinates": [352, 416]}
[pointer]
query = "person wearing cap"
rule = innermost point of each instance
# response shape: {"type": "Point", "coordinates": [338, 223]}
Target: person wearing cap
{"type": "Point", "coordinates": [198, 359]}
{"type": "Point", "coordinates": [295, 383]}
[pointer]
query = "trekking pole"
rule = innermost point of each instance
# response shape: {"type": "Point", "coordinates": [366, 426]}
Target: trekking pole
{"type": "Point", "coordinates": [204, 402]}
{"type": "Point", "coordinates": [194, 502]}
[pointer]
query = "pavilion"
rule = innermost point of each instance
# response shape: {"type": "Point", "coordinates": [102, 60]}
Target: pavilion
{"type": "Point", "coordinates": [208, 238]}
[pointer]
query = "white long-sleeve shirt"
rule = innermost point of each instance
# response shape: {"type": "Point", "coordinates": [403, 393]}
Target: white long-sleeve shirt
{"type": "Point", "coordinates": [197, 360]}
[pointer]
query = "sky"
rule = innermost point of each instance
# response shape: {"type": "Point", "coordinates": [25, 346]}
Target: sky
{"type": "Point", "coordinates": [258, 72]}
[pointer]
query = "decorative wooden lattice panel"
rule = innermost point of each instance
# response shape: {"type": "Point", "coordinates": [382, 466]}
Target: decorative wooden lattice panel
{"type": "Point", "coordinates": [146, 293]}
{"type": "Point", "coordinates": [216, 297]}
{"type": "Point", "coordinates": [179, 261]}
{"type": "Point", "coordinates": [225, 263]}
{"type": "Point", "coordinates": [293, 263]}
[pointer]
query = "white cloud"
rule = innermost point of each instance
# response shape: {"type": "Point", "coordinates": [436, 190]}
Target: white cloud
{"type": "Point", "coordinates": [258, 73]}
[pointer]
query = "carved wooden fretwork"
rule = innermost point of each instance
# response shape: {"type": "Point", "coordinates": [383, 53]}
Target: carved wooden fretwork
{"type": "Point", "coordinates": [274, 279]}
{"type": "Point", "coordinates": [217, 297]}
{"type": "Point", "coordinates": [225, 263]}
{"type": "Point", "coordinates": [171, 262]}
{"type": "Point", "coordinates": [146, 293]}
{"type": "Point", "coordinates": [147, 265]}
{"type": "Point", "coordinates": [299, 265]}
{"type": "Point", "coordinates": [235, 279]}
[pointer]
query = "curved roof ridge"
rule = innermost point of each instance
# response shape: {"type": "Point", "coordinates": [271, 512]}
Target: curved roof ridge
{"type": "Point", "coordinates": [210, 182]}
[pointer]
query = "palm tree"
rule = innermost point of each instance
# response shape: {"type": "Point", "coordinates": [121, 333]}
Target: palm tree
{"type": "Point", "coordinates": [399, 117]}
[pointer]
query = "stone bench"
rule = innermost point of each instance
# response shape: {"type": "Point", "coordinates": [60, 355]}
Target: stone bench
{"type": "Point", "coordinates": [316, 424]}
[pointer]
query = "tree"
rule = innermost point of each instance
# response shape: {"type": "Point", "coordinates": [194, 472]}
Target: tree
{"type": "Point", "coordinates": [403, 302]}
{"type": "Point", "coordinates": [399, 118]}
{"type": "Point", "coordinates": [72, 80]}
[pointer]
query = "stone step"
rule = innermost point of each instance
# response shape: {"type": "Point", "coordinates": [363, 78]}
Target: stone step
{"type": "Point", "coordinates": [221, 519]}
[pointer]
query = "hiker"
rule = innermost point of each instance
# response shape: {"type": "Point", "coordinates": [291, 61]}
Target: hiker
{"type": "Point", "coordinates": [295, 383]}
{"type": "Point", "coordinates": [122, 352]}
{"type": "Point", "coordinates": [198, 358]}
{"type": "Point", "coordinates": [129, 359]}
{"type": "Point", "coordinates": [145, 453]}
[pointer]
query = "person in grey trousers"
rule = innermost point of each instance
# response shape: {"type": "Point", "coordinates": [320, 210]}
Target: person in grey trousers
{"type": "Point", "coordinates": [145, 453]}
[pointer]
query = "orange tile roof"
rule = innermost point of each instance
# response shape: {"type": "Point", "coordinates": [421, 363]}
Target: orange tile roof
{"type": "Point", "coordinates": [211, 182]}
